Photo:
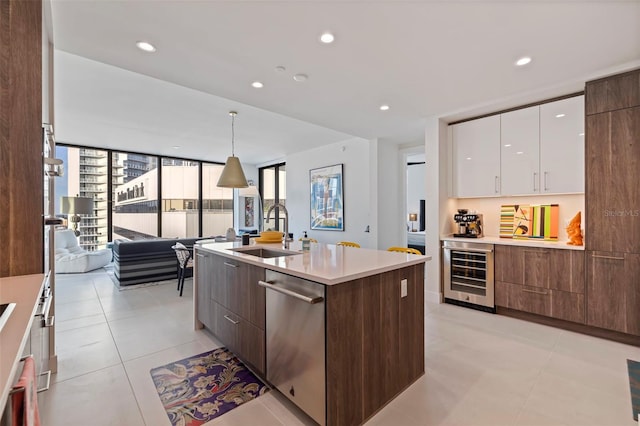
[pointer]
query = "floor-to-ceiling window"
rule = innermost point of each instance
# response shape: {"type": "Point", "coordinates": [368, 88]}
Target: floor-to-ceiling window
{"type": "Point", "coordinates": [151, 196]}
{"type": "Point", "coordinates": [273, 189]}
{"type": "Point", "coordinates": [85, 175]}
{"type": "Point", "coordinates": [180, 198]}
{"type": "Point", "coordinates": [217, 203]}
{"type": "Point", "coordinates": [135, 196]}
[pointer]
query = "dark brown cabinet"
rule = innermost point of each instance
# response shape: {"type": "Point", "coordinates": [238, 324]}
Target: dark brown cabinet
{"type": "Point", "coordinates": [613, 291]}
{"type": "Point", "coordinates": [237, 307]}
{"type": "Point", "coordinates": [612, 199]}
{"type": "Point", "coordinates": [509, 264]}
{"type": "Point", "coordinates": [374, 341]}
{"type": "Point", "coordinates": [613, 93]}
{"type": "Point", "coordinates": [612, 187]}
{"type": "Point", "coordinates": [548, 282]}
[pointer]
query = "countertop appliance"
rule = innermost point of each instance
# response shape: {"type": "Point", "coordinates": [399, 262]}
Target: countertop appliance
{"type": "Point", "coordinates": [295, 332]}
{"type": "Point", "coordinates": [468, 274]}
{"type": "Point", "coordinates": [468, 225]}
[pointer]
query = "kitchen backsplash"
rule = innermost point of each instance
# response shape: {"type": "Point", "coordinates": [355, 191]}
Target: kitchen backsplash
{"type": "Point", "coordinates": [490, 208]}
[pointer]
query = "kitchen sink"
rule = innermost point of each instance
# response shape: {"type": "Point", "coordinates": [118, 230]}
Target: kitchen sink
{"type": "Point", "coordinates": [265, 253]}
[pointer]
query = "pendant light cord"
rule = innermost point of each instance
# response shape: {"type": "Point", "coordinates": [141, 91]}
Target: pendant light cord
{"type": "Point", "coordinates": [233, 119]}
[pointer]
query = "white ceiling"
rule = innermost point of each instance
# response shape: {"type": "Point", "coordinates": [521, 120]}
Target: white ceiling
{"type": "Point", "coordinates": [424, 58]}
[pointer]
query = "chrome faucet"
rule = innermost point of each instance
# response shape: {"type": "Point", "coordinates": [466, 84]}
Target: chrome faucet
{"type": "Point", "coordinates": [286, 239]}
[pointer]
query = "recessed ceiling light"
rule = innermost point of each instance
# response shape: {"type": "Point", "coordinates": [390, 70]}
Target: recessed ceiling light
{"type": "Point", "coordinates": [327, 38]}
{"type": "Point", "coordinates": [300, 77]}
{"type": "Point", "coordinates": [580, 134]}
{"type": "Point", "coordinates": [146, 46]}
{"type": "Point", "coordinates": [523, 61]}
{"type": "Point", "coordinates": [507, 145]}
{"type": "Point", "coordinates": [176, 147]}
{"type": "Point", "coordinates": [384, 107]}
{"type": "Point", "coordinates": [519, 152]}
{"type": "Point", "coordinates": [468, 158]}
{"type": "Point", "coordinates": [280, 68]}
{"type": "Point", "coordinates": [257, 85]}
{"type": "Point", "coordinates": [559, 115]}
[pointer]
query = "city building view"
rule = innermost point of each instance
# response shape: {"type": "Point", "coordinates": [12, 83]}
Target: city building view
{"type": "Point", "coordinates": [137, 198]}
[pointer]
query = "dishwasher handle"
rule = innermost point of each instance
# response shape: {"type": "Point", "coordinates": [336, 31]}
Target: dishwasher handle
{"type": "Point", "coordinates": [309, 299]}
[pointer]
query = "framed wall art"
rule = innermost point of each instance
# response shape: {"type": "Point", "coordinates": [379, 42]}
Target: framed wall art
{"type": "Point", "coordinates": [327, 208]}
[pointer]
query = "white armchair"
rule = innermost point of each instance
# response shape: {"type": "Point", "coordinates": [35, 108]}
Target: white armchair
{"type": "Point", "coordinates": [71, 258]}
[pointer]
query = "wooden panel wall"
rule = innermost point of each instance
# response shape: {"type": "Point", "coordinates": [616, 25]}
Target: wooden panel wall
{"type": "Point", "coordinates": [375, 343]}
{"type": "Point", "coordinates": [21, 171]}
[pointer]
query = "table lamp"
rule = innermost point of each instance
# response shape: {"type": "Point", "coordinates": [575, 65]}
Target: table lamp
{"type": "Point", "coordinates": [412, 218]}
{"type": "Point", "coordinates": [75, 206]}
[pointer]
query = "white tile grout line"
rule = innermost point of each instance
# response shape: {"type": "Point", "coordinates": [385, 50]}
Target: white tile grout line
{"type": "Point", "coordinates": [535, 381]}
{"type": "Point", "coordinates": [120, 356]}
{"type": "Point", "coordinates": [122, 362]}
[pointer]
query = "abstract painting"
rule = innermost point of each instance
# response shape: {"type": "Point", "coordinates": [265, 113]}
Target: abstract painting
{"type": "Point", "coordinates": [327, 209]}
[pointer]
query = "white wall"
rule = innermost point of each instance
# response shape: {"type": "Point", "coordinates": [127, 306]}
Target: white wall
{"type": "Point", "coordinates": [437, 206]}
{"type": "Point", "coordinates": [251, 173]}
{"type": "Point", "coordinates": [388, 184]}
{"type": "Point", "coordinates": [354, 155]}
{"type": "Point", "coordinates": [569, 205]}
{"type": "Point", "coordinates": [416, 178]}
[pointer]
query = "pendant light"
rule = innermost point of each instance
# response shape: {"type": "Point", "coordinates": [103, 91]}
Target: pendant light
{"type": "Point", "coordinates": [232, 175]}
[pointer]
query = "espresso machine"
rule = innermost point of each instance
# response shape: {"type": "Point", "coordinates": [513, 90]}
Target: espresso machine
{"type": "Point", "coordinates": [468, 225]}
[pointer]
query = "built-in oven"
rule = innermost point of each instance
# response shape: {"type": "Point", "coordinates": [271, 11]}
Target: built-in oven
{"type": "Point", "coordinates": [468, 274]}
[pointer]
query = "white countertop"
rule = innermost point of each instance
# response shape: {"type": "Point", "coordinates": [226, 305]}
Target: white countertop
{"type": "Point", "coordinates": [24, 292]}
{"type": "Point", "coordinates": [515, 242]}
{"type": "Point", "coordinates": [324, 263]}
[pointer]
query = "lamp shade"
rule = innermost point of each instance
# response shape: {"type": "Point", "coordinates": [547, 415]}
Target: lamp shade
{"type": "Point", "coordinates": [76, 205]}
{"type": "Point", "coordinates": [232, 175]}
{"type": "Point", "coordinates": [413, 217]}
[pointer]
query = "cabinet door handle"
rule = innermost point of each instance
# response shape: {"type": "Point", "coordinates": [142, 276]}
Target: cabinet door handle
{"type": "Point", "coordinates": [546, 188]}
{"type": "Point", "coordinates": [496, 184]}
{"type": "Point", "coordinates": [230, 265]}
{"type": "Point", "coordinates": [545, 292]}
{"type": "Point", "coordinates": [312, 300]}
{"type": "Point", "coordinates": [607, 257]}
{"type": "Point", "coordinates": [199, 255]}
{"type": "Point", "coordinates": [535, 178]}
{"type": "Point", "coordinates": [231, 320]}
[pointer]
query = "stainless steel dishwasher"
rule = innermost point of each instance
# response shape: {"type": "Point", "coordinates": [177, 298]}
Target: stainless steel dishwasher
{"type": "Point", "coordinates": [296, 341]}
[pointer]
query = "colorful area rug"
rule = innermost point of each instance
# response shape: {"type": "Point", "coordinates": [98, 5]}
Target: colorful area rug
{"type": "Point", "coordinates": [198, 389]}
{"type": "Point", "coordinates": [634, 384]}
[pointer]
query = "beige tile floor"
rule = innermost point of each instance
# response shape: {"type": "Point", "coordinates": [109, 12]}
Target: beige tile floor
{"type": "Point", "coordinates": [481, 369]}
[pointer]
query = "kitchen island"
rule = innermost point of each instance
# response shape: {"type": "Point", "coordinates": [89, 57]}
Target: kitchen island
{"type": "Point", "coordinates": [349, 340]}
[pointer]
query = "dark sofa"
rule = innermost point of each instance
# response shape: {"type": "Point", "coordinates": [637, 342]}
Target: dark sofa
{"type": "Point", "coordinates": [141, 261]}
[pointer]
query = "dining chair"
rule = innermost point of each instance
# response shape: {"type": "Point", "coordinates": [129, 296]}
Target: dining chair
{"type": "Point", "coordinates": [404, 250]}
{"type": "Point", "coordinates": [185, 261]}
{"type": "Point", "coordinates": [348, 244]}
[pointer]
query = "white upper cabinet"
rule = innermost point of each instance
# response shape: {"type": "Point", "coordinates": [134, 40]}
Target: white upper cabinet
{"type": "Point", "coordinates": [529, 151]}
{"type": "Point", "coordinates": [562, 146]}
{"type": "Point", "coordinates": [519, 148]}
{"type": "Point", "coordinates": [476, 158]}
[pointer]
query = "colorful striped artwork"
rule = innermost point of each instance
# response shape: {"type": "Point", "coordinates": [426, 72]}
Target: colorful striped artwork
{"type": "Point", "coordinates": [539, 221]}
{"type": "Point", "coordinates": [522, 223]}
{"type": "Point", "coordinates": [507, 212]}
